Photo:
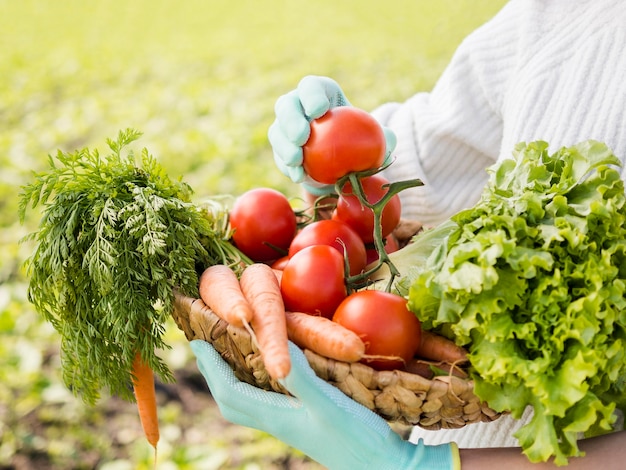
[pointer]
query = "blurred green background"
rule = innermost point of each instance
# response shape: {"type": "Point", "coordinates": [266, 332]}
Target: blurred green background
{"type": "Point", "coordinates": [199, 79]}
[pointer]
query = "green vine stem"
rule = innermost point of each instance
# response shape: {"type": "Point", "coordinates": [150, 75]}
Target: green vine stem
{"type": "Point", "coordinates": [359, 280]}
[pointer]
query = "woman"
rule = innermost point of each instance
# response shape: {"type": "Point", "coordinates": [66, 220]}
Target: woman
{"type": "Point", "coordinates": [539, 70]}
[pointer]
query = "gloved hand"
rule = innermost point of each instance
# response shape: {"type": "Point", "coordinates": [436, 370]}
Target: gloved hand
{"type": "Point", "coordinates": [319, 419]}
{"type": "Point", "coordinates": [290, 130]}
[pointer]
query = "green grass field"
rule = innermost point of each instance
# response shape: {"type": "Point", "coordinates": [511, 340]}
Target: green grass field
{"type": "Point", "coordinates": [199, 79]}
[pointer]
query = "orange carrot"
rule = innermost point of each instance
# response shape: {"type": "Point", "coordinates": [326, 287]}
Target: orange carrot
{"type": "Point", "coordinates": [439, 348]}
{"type": "Point", "coordinates": [143, 385]}
{"type": "Point", "coordinates": [260, 287]}
{"type": "Point", "coordinates": [324, 336]}
{"type": "Point", "coordinates": [220, 291]}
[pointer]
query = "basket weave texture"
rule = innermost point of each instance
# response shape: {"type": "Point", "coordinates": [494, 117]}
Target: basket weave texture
{"type": "Point", "coordinates": [444, 402]}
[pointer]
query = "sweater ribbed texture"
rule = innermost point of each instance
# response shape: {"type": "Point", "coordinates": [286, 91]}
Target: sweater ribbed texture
{"type": "Point", "coordinates": [498, 433]}
{"type": "Point", "coordinates": [539, 70]}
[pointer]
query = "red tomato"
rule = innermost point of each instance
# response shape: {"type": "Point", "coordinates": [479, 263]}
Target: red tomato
{"type": "Point", "coordinates": [344, 140]}
{"type": "Point", "coordinates": [313, 281]}
{"type": "Point", "coordinates": [280, 263]}
{"type": "Point", "coordinates": [384, 323]}
{"type": "Point", "coordinates": [336, 234]}
{"type": "Point", "coordinates": [391, 245]}
{"type": "Point", "coordinates": [360, 218]}
{"type": "Point", "coordinates": [264, 224]}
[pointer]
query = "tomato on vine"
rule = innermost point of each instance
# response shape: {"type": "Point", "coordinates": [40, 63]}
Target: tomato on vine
{"type": "Point", "coordinates": [344, 140]}
{"type": "Point", "coordinates": [361, 218]}
{"type": "Point", "coordinates": [336, 234]}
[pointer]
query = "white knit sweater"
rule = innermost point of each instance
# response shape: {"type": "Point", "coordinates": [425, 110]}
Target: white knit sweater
{"type": "Point", "coordinates": [552, 70]}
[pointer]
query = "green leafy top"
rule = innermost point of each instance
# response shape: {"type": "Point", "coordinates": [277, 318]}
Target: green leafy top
{"type": "Point", "coordinates": [533, 279]}
{"type": "Point", "coordinates": [114, 241]}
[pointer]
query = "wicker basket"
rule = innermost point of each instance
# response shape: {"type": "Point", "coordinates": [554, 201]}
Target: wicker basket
{"type": "Point", "coordinates": [443, 402]}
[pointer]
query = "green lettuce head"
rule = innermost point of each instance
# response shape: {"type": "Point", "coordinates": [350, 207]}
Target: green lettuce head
{"type": "Point", "coordinates": [532, 280]}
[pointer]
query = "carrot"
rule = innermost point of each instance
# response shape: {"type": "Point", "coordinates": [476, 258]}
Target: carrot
{"type": "Point", "coordinates": [429, 369]}
{"type": "Point", "coordinates": [439, 348]}
{"type": "Point", "coordinates": [260, 287]}
{"type": "Point", "coordinates": [419, 367]}
{"type": "Point", "coordinates": [143, 386]}
{"type": "Point", "coordinates": [220, 290]}
{"type": "Point", "coordinates": [324, 336]}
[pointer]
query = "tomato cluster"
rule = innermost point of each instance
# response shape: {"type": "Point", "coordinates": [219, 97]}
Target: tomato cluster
{"type": "Point", "coordinates": [325, 262]}
{"type": "Point", "coordinates": [315, 281]}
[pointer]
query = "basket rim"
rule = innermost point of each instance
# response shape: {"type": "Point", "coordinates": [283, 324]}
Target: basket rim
{"type": "Point", "coordinates": [398, 396]}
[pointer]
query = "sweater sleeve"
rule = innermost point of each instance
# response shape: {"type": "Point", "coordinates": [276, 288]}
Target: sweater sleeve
{"type": "Point", "coordinates": [552, 71]}
{"type": "Point", "coordinates": [539, 70]}
{"type": "Point", "coordinates": [448, 137]}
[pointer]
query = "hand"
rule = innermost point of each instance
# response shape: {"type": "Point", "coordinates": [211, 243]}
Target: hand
{"type": "Point", "coordinates": [291, 129]}
{"type": "Point", "coordinates": [319, 419]}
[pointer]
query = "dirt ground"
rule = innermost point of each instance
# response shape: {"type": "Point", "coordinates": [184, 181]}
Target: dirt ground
{"type": "Point", "coordinates": [68, 435]}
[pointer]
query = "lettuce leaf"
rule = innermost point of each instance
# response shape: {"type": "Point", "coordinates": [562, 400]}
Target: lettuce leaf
{"type": "Point", "coordinates": [532, 279]}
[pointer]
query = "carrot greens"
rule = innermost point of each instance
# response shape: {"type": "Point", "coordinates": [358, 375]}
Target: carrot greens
{"type": "Point", "coordinates": [115, 239]}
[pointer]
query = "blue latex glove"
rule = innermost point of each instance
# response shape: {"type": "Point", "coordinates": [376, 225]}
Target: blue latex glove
{"type": "Point", "coordinates": [291, 129]}
{"type": "Point", "coordinates": [319, 419]}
